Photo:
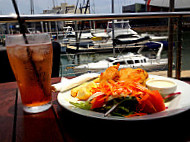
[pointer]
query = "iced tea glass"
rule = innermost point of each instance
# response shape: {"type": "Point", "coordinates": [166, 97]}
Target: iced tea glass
{"type": "Point", "coordinates": [32, 67]}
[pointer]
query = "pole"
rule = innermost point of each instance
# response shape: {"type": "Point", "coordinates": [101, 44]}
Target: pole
{"type": "Point", "coordinates": [42, 26]}
{"type": "Point", "coordinates": [7, 28]}
{"type": "Point", "coordinates": [179, 47]}
{"type": "Point", "coordinates": [82, 25]}
{"type": "Point", "coordinates": [113, 34]}
{"type": "Point", "coordinates": [90, 22]}
{"type": "Point", "coordinates": [31, 7]}
{"type": "Point", "coordinates": [170, 40]}
{"type": "Point", "coordinates": [56, 29]}
{"type": "Point", "coordinates": [53, 3]}
{"type": "Point", "coordinates": [46, 27]}
{"type": "Point", "coordinates": [146, 4]}
{"type": "Point", "coordinates": [76, 6]}
{"type": "Point", "coordinates": [49, 25]}
{"type": "Point", "coordinates": [76, 27]}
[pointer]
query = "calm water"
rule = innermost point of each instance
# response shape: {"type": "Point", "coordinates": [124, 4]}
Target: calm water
{"type": "Point", "coordinates": [70, 60]}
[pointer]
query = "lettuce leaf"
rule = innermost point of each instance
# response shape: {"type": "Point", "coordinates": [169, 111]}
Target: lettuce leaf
{"type": "Point", "coordinates": [82, 105]}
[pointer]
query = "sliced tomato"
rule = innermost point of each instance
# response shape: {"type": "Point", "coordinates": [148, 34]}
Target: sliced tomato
{"type": "Point", "coordinates": [154, 103]}
{"type": "Point", "coordinates": [98, 101]}
{"type": "Point", "coordinates": [157, 101]}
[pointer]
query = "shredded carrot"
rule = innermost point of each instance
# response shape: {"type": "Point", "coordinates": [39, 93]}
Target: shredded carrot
{"type": "Point", "coordinates": [93, 100]}
{"type": "Point", "coordinates": [117, 88]}
{"type": "Point", "coordinates": [134, 89]}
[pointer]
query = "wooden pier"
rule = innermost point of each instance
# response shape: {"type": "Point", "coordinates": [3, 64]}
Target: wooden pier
{"type": "Point", "coordinates": [102, 49]}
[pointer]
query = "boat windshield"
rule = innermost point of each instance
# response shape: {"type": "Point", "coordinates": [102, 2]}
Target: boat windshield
{"type": "Point", "coordinates": [130, 62]}
{"type": "Point", "coordinates": [126, 26]}
{"type": "Point", "coordinates": [119, 62]}
{"type": "Point", "coordinates": [137, 61]}
{"type": "Point", "coordinates": [118, 25]}
{"type": "Point", "coordinates": [110, 59]}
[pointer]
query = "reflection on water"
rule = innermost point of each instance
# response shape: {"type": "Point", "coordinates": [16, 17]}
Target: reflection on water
{"type": "Point", "coordinates": [68, 61]}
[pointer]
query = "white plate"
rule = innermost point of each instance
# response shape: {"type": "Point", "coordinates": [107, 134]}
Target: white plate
{"type": "Point", "coordinates": [180, 104]}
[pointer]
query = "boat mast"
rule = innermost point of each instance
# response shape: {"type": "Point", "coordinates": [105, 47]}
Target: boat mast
{"type": "Point", "coordinates": [32, 7]}
{"type": "Point", "coordinates": [113, 34]}
{"type": "Point", "coordinates": [76, 6]}
{"type": "Point", "coordinates": [76, 26]}
{"type": "Point", "coordinates": [32, 12]}
{"type": "Point", "coordinates": [53, 3]}
{"type": "Point", "coordinates": [82, 25]}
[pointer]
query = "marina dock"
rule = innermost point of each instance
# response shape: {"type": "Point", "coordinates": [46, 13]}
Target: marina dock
{"type": "Point", "coordinates": [100, 49]}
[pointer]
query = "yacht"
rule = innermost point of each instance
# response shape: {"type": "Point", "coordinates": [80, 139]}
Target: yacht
{"type": "Point", "coordinates": [123, 34]}
{"type": "Point", "coordinates": [129, 60]}
{"type": "Point", "coordinates": [69, 38]}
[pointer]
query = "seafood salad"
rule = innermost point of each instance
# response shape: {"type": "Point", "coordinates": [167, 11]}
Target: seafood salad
{"type": "Point", "coordinates": [119, 92]}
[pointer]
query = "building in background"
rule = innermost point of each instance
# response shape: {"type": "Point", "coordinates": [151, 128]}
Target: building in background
{"type": "Point", "coordinates": [137, 7]}
{"type": "Point", "coordinates": [163, 5]}
{"type": "Point", "coordinates": [64, 8]}
{"type": "Point", "coordinates": [157, 24]}
{"type": "Point", "coordinates": [144, 25]}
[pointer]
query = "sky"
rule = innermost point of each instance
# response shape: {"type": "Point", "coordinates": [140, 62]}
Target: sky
{"type": "Point", "coordinates": [98, 6]}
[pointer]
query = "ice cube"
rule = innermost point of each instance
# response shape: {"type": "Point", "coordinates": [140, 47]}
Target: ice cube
{"type": "Point", "coordinates": [21, 53]}
{"type": "Point", "coordinates": [37, 57]}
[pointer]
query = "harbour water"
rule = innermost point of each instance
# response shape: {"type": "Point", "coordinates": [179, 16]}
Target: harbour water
{"type": "Point", "coordinates": [68, 61]}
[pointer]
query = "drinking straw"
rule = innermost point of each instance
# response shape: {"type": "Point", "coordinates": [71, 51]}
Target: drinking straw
{"type": "Point", "coordinates": [23, 30]}
{"type": "Point", "coordinates": [21, 22]}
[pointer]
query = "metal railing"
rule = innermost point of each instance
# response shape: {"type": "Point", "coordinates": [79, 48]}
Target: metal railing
{"type": "Point", "coordinates": [82, 17]}
{"type": "Point", "coordinates": [86, 17]}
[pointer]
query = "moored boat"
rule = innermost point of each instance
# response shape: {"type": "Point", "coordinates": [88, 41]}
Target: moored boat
{"type": "Point", "coordinates": [129, 60]}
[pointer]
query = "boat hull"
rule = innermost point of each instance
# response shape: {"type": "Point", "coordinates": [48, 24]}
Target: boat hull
{"type": "Point", "coordinates": [150, 67]}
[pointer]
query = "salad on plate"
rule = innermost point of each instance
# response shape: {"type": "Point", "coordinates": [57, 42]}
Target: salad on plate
{"type": "Point", "coordinates": [118, 92]}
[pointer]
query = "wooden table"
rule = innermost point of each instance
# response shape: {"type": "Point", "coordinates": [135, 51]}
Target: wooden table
{"type": "Point", "coordinates": [59, 125]}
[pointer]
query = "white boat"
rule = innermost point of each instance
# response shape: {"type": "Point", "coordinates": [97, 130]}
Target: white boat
{"type": "Point", "coordinates": [125, 38]}
{"type": "Point", "coordinates": [33, 30]}
{"type": "Point", "coordinates": [123, 33]}
{"type": "Point", "coordinates": [100, 36]}
{"type": "Point", "coordinates": [70, 37]}
{"type": "Point", "coordinates": [69, 32]}
{"type": "Point", "coordinates": [121, 29]}
{"type": "Point", "coordinates": [129, 60]}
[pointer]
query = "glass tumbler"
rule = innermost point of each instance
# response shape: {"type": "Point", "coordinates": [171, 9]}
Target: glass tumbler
{"type": "Point", "coordinates": [32, 67]}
